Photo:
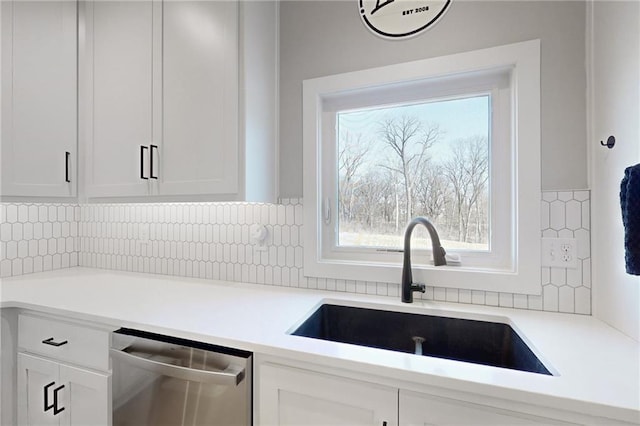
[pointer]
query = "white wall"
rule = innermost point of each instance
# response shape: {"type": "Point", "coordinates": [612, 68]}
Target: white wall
{"type": "Point", "coordinates": [614, 31]}
{"type": "Point", "coordinates": [320, 38]}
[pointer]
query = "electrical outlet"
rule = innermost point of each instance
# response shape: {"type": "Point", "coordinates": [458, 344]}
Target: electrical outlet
{"type": "Point", "coordinates": [560, 252]}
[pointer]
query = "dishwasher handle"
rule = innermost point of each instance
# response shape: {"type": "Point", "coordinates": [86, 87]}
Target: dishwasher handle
{"type": "Point", "coordinates": [231, 376]}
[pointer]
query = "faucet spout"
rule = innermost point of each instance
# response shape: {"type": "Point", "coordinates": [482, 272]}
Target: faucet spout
{"type": "Point", "coordinates": [408, 287]}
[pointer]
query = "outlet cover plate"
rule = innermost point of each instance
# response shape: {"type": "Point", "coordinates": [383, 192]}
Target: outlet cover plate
{"type": "Point", "coordinates": [560, 252]}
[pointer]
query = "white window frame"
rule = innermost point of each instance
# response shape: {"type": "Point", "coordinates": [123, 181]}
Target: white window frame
{"type": "Point", "coordinates": [494, 84]}
{"type": "Point", "coordinates": [517, 269]}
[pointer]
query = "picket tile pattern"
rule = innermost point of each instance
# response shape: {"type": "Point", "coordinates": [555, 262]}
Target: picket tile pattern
{"type": "Point", "coordinates": [36, 237]}
{"type": "Point", "coordinates": [212, 241]}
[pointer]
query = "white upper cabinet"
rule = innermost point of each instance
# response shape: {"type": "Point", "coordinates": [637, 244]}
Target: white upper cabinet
{"type": "Point", "coordinates": [259, 104]}
{"type": "Point", "coordinates": [164, 83]}
{"type": "Point", "coordinates": [119, 42]}
{"type": "Point", "coordinates": [199, 150]}
{"type": "Point", "coordinates": [39, 98]}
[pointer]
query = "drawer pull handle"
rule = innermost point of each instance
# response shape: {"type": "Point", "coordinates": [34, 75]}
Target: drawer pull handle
{"type": "Point", "coordinates": [52, 342]}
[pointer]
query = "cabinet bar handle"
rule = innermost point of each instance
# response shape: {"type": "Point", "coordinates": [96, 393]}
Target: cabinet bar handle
{"type": "Point", "coordinates": [48, 406]}
{"type": "Point", "coordinates": [142, 148]}
{"type": "Point", "coordinates": [151, 175]}
{"type": "Point", "coordinates": [57, 410]}
{"type": "Point", "coordinates": [52, 342]}
{"type": "Point", "coordinates": [67, 154]}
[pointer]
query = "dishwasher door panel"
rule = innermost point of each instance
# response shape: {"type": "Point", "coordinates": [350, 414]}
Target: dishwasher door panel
{"type": "Point", "coordinates": [171, 384]}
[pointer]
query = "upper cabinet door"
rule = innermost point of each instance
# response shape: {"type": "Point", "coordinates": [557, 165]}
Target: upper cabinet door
{"type": "Point", "coordinates": [161, 106]}
{"type": "Point", "coordinates": [199, 149]}
{"type": "Point", "coordinates": [39, 98]}
{"type": "Point", "coordinates": [118, 92]}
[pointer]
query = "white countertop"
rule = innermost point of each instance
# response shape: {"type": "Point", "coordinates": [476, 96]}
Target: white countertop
{"type": "Point", "coordinates": [597, 368]}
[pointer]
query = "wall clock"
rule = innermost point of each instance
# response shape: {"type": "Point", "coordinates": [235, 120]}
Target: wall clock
{"type": "Point", "coordinates": [399, 19]}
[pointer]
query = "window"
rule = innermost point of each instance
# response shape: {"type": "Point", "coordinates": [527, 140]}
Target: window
{"type": "Point", "coordinates": [455, 139]}
{"type": "Point", "coordinates": [418, 159]}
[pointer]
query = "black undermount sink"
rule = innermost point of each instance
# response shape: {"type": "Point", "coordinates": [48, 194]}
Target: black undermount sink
{"type": "Point", "coordinates": [480, 342]}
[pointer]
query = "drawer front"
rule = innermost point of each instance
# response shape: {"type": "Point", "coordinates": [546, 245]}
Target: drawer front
{"type": "Point", "coordinates": [63, 341]}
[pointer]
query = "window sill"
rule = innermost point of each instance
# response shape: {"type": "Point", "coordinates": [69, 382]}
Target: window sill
{"type": "Point", "coordinates": [523, 281]}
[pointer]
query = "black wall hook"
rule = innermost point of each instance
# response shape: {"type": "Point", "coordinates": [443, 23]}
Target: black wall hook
{"type": "Point", "coordinates": [611, 141]}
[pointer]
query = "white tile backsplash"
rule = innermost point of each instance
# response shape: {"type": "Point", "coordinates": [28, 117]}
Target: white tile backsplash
{"type": "Point", "coordinates": [37, 237]}
{"type": "Point", "coordinates": [212, 241]}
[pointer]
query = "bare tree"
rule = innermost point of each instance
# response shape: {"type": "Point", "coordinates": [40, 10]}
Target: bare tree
{"type": "Point", "coordinates": [372, 194]}
{"type": "Point", "coordinates": [408, 140]}
{"type": "Point", "coordinates": [395, 175]}
{"type": "Point", "coordinates": [388, 196]}
{"type": "Point", "coordinates": [467, 172]}
{"type": "Point", "coordinates": [432, 191]}
{"type": "Point", "coordinates": [351, 154]}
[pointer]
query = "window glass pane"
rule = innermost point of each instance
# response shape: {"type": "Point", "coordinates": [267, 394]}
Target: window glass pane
{"type": "Point", "coordinates": [422, 159]}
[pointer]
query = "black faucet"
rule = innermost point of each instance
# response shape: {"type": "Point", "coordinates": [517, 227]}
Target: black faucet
{"type": "Point", "coordinates": [408, 287]}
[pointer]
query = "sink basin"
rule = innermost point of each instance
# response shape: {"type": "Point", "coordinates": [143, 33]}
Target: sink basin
{"type": "Point", "coordinates": [481, 342]}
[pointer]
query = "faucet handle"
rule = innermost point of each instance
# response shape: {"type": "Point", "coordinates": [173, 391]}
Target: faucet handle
{"type": "Point", "coordinates": [418, 287]}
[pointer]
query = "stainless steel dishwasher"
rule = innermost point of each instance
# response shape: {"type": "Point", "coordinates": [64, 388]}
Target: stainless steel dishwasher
{"type": "Point", "coordinates": [164, 381]}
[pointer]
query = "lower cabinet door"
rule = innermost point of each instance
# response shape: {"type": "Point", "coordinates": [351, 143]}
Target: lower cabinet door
{"type": "Point", "coordinates": [428, 410]}
{"type": "Point", "coordinates": [50, 393]}
{"type": "Point", "coordinates": [87, 398]}
{"type": "Point", "coordinates": [289, 396]}
{"type": "Point", "coordinates": [37, 383]}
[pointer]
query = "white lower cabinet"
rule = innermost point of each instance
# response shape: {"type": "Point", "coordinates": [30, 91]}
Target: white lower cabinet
{"type": "Point", "coordinates": [63, 373]}
{"type": "Point", "coordinates": [297, 396]}
{"type": "Point", "coordinates": [51, 393]}
{"type": "Point", "coordinates": [418, 409]}
{"type": "Point", "coordinates": [35, 376]}
{"type": "Point", "coordinates": [289, 396]}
